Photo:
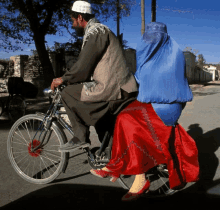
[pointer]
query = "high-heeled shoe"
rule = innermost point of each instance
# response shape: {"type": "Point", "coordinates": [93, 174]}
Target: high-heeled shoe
{"type": "Point", "coordinates": [103, 174]}
{"type": "Point", "coordinates": [134, 196]}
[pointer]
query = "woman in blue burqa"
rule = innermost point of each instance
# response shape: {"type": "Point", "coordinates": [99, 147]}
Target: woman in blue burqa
{"type": "Point", "coordinates": [146, 132]}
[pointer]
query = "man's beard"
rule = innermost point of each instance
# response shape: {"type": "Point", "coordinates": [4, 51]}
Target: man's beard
{"type": "Point", "coordinates": [79, 31]}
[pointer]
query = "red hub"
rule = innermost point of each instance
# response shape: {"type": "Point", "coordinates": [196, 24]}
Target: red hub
{"type": "Point", "coordinates": [35, 144]}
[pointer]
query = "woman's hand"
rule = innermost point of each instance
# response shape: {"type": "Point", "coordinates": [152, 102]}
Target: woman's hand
{"type": "Point", "coordinates": [56, 82]}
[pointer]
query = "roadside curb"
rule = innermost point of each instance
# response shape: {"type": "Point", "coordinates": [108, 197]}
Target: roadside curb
{"type": "Point", "coordinates": [200, 85]}
{"type": "Point", "coordinates": [196, 86]}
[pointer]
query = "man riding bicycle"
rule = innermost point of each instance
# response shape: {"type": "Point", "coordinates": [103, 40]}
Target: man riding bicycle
{"type": "Point", "coordinates": [98, 83]}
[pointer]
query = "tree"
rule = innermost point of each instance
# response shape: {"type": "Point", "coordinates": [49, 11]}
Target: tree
{"type": "Point", "coordinates": [153, 10]}
{"type": "Point", "coordinates": [201, 60]}
{"type": "Point", "coordinates": [189, 49]}
{"type": "Point", "coordinates": [125, 44]}
{"type": "Point", "coordinates": [29, 21]}
{"type": "Point", "coordinates": [121, 8]}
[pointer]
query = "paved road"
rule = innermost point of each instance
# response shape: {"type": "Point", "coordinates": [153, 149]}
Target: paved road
{"type": "Point", "coordinates": [78, 189]}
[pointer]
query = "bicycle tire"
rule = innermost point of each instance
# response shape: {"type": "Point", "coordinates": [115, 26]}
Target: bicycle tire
{"type": "Point", "coordinates": [158, 177]}
{"type": "Point", "coordinates": [16, 107]}
{"type": "Point", "coordinates": [46, 163]}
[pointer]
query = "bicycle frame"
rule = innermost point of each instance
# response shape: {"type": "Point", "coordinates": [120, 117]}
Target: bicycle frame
{"type": "Point", "coordinates": [54, 114]}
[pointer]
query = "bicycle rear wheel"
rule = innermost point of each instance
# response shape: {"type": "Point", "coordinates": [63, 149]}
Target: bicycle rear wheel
{"type": "Point", "coordinates": [158, 177]}
{"type": "Point", "coordinates": [16, 108]}
{"type": "Point", "coordinates": [46, 163]}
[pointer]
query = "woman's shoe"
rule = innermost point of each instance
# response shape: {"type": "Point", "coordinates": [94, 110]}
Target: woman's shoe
{"type": "Point", "coordinates": [134, 196]}
{"type": "Point", "coordinates": [103, 174]}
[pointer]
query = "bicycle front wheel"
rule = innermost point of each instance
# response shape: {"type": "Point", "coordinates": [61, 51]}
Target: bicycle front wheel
{"type": "Point", "coordinates": [46, 163]}
{"type": "Point", "coordinates": [16, 108]}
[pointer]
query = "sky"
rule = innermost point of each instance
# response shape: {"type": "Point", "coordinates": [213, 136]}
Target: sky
{"type": "Point", "coordinates": [192, 23]}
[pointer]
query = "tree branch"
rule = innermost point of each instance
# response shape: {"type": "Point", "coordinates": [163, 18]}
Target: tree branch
{"type": "Point", "coordinates": [44, 27]}
{"type": "Point", "coordinates": [28, 11]}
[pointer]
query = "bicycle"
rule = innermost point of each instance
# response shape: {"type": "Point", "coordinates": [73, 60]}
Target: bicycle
{"type": "Point", "coordinates": [33, 144]}
{"type": "Point", "coordinates": [14, 106]}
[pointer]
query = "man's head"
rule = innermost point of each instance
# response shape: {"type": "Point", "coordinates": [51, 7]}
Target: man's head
{"type": "Point", "coordinates": [81, 13]}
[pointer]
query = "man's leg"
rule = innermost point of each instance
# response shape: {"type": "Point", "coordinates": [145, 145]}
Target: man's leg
{"type": "Point", "coordinates": [81, 114]}
{"type": "Point", "coordinates": [79, 127]}
{"type": "Point", "coordinates": [104, 125]}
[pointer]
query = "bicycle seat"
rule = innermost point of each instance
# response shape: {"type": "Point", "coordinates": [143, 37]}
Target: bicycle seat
{"type": "Point", "coordinates": [126, 98]}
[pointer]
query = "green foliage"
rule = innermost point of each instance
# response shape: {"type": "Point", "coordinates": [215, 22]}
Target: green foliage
{"type": "Point", "coordinates": [74, 47]}
{"type": "Point", "coordinates": [108, 8]}
{"type": "Point", "coordinates": [125, 44]}
{"type": "Point", "coordinates": [201, 60]}
{"type": "Point", "coordinates": [21, 19]}
{"type": "Point", "coordinates": [189, 49]}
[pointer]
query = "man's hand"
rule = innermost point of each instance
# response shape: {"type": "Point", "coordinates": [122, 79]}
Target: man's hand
{"type": "Point", "coordinates": [56, 82]}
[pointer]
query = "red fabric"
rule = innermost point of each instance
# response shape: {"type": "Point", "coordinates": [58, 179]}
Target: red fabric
{"type": "Point", "coordinates": [141, 141]}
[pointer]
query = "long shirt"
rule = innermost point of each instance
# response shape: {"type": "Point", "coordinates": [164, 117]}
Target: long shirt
{"type": "Point", "coordinates": [89, 57]}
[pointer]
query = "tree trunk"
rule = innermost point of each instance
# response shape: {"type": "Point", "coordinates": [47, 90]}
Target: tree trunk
{"type": "Point", "coordinates": [48, 72]}
{"type": "Point", "coordinates": [142, 17]}
{"type": "Point", "coordinates": [118, 18]}
{"type": "Point", "coordinates": [153, 11]}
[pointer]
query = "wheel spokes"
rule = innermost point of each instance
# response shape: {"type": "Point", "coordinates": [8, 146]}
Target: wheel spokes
{"type": "Point", "coordinates": [31, 164]}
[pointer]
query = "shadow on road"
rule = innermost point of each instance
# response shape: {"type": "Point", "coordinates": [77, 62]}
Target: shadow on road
{"type": "Point", "coordinates": [213, 83]}
{"type": "Point", "coordinates": [205, 192]}
{"type": "Point", "coordinates": [76, 196]}
{"type": "Point", "coordinates": [5, 124]}
{"type": "Point", "coordinates": [207, 143]}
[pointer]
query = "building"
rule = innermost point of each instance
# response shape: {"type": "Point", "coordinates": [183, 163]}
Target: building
{"type": "Point", "coordinates": [190, 65]}
{"type": "Point", "coordinates": [214, 71]}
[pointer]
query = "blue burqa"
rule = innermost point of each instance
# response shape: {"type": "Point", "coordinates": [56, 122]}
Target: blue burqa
{"type": "Point", "coordinates": [161, 73]}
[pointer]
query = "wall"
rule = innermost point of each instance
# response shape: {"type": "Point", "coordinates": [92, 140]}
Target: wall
{"type": "Point", "coordinates": [29, 67]}
{"type": "Point", "coordinates": [6, 68]}
{"type": "Point", "coordinates": [190, 66]}
{"type": "Point", "coordinates": [194, 73]}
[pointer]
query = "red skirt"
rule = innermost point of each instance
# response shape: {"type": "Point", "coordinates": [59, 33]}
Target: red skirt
{"type": "Point", "coordinates": [141, 141]}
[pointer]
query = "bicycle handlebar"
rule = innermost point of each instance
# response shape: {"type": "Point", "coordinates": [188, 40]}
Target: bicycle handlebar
{"type": "Point", "coordinates": [48, 92]}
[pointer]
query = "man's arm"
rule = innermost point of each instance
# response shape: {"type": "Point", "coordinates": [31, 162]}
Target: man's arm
{"type": "Point", "coordinates": [89, 57]}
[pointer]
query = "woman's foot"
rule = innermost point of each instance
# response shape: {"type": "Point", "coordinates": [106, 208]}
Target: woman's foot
{"type": "Point", "coordinates": [139, 186]}
{"type": "Point", "coordinates": [105, 169]}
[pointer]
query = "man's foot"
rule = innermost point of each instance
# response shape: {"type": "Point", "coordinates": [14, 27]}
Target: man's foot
{"type": "Point", "coordinates": [73, 144]}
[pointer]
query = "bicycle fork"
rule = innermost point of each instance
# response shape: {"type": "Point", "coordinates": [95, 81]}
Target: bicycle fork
{"type": "Point", "coordinates": [41, 128]}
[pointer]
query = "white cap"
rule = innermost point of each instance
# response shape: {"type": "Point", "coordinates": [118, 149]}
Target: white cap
{"type": "Point", "coordinates": [82, 7]}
